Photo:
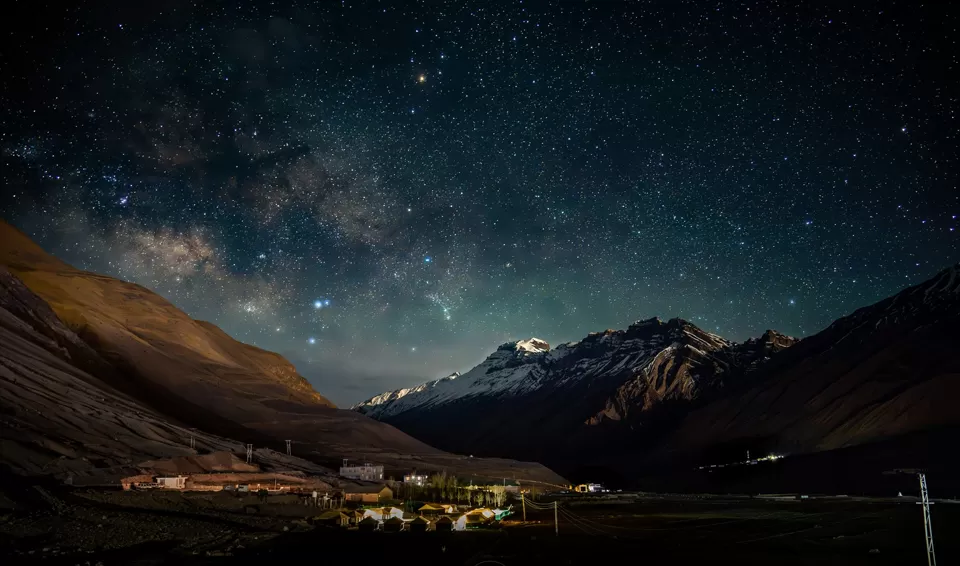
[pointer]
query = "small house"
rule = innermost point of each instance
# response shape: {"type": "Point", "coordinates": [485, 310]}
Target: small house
{"type": "Point", "coordinates": [416, 479]}
{"type": "Point", "coordinates": [368, 493]}
{"type": "Point", "coordinates": [444, 524]}
{"type": "Point", "coordinates": [366, 472]}
{"type": "Point", "coordinates": [333, 517]}
{"type": "Point", "coordinates": [356, 517]}
{"type": "Point", "coordinates": [369, 524]}
{"type": "Point", "coordinates": [382, 513]}
{"type": "Point", "coordinates": [437, 508]}
{"type": "Point", "coordinates": [474, 519]}
{"type": "Point", "coordinates": [393, 525]}
{"type": "Point", "coordinates": [419, 525]}
{"type": "Point", "coordinates": [172, 482]}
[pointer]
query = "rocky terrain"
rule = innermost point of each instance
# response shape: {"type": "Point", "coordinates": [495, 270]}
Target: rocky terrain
{"type": "Point", "coordinates": [100, 376]}
{"type": "Point", "coordinates": [887, 370]}
{"type": "Point", "coordinates": [661, 395]}
{"type": "Point", "coordinates": [578, 401]}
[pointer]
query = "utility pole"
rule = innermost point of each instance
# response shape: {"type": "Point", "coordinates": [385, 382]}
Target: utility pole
{"type": "Point", "coordinates": [193, 442]}
{"type": "Point", "coordinates": [289, 450]}
{"type": "Point", "coordinates": [927, 526]}
{"type": "Point", "coordinates": [523, 502]}
{"type": "Point", "coordinates": [556, 521]}
{"type": "Point", "coordinates": [249, 453]}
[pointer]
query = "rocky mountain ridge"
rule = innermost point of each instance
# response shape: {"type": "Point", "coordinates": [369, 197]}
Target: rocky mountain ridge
{"type": "Point", "coordinates": [577, 398]}
{"type": "Point", "coordinates": [659, 395]}
{"type": "Point", "coordinates": [656, 360]}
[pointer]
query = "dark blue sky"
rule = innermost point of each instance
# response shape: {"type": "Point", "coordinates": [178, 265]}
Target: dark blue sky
{"type": "Point", "coordinates": [385, 191]}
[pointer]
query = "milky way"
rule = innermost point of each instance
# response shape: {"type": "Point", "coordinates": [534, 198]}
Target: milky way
{"type": "Point", "coordinates": [385, 191]}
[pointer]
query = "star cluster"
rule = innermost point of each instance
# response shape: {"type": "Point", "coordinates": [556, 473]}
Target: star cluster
{"type": "Point", "coordinates": [385, 191]}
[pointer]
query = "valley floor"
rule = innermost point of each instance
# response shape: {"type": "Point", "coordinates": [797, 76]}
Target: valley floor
{"type": "Point", "coordinates": [112, 527]}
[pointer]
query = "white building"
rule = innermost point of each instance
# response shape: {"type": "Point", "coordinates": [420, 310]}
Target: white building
{"type": "Point", "coordinates": [174, 482]}
{"type": "Point", "coordinates": [416, 479]}
{"type": "Point", "coordinates": [366, 472]}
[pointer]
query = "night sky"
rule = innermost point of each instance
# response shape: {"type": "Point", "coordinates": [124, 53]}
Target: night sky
{"type": "Point", "coordinates": [385, 191]}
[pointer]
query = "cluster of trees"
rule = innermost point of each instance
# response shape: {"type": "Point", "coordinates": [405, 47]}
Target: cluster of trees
{"type": "Point", "coordinates": [444, 488]}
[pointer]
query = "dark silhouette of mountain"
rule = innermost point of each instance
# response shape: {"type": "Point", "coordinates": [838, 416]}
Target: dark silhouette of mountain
{"type": "Point", "coordinates": [662, 397]}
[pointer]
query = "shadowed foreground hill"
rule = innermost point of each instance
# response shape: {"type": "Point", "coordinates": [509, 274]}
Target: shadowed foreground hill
{"type": "Point", "coordinates": [65, 323]}
{"type": "Point", "coordinates": [889, 369]}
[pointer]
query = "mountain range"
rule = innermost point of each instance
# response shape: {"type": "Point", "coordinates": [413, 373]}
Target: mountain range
{"type": "Point", "coordinates": [100, 376]}
{"type": "Point", "coordinates": [662, 397]}
{"type": "Point", "coordinates": [103, 378]}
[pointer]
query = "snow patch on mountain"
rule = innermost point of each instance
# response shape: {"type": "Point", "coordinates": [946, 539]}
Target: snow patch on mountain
{"type": "Point", "coordinates": [525, 366]}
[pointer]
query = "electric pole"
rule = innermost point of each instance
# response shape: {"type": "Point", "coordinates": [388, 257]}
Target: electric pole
{"type": "Point", "coordinates": [556, 521]}
{"type": "Point", "coordinates": [523, 502]}
{"type": "Point", "coordinates": [249, 453]}
{"type": "Point", "coordinates": [289, 450]}
{"type": "Point", "coordinates": [927, 526]}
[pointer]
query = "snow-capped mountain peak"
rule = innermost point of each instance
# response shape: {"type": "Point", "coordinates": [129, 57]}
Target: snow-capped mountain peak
{"type": "Point", "coordinates": [524, 367]}
{"type": "Point", "coordinates": [533, 345]}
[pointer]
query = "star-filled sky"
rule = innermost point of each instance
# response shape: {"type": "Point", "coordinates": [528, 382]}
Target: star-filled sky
{"type": "Point", "coordinates": [385, 191]}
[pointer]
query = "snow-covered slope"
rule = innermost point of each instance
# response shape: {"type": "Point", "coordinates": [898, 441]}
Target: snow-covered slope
{"type": "Point", "coordinates": [513, 368]}
{"type": "Point", "coordinates": [651, 360]}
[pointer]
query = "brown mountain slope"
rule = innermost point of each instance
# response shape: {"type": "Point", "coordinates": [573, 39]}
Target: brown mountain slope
{"type": "Point", "coordinates": [134, 327]}
{"type": "Point", "coordinates": [61, 420]}
{"type": "Point", "coordinates": [193, 373]}
{"type": "Point", "coordinates": [889, 369]}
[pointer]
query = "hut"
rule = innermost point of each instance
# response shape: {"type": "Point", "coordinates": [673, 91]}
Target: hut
{"type": "Point", "coordinates": [381, 513]}
{"type": "Point", "coordinates": [444, 524]}
{"type": "Point", "coordinates": [419, 525]}
{"type": "Point", "coordinates": [368, 493]}
{"type": "Point", "coordinates": [474, 519]}
{"type": "Point", "coordinates": [369, 524]}
{"type": "Point", "coordinates": [436, 508]}
{"type": "Point", "coordinates": [333, 517]}
{"type": "Point", "coordinates": [356, 516]}
{"type": "Point", "coordinates": [393, 525]}
{"type": "Point", "coordinates": [172, 482]}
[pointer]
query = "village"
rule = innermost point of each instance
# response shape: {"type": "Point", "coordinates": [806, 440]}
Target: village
{"type": "Point", "coordinates": [363, 498]}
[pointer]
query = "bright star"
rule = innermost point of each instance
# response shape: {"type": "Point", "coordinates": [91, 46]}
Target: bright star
{"type": "Point", "coordinates": [427, 259]}
{"type": "Point", "coordinates": [312, 340]}
{"type": "Point", "coordinates": [318, 304]}
{"type": "Point", "coordinates": [326, 302]}
{"type": "Point", "coordinates": [422, 79]}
